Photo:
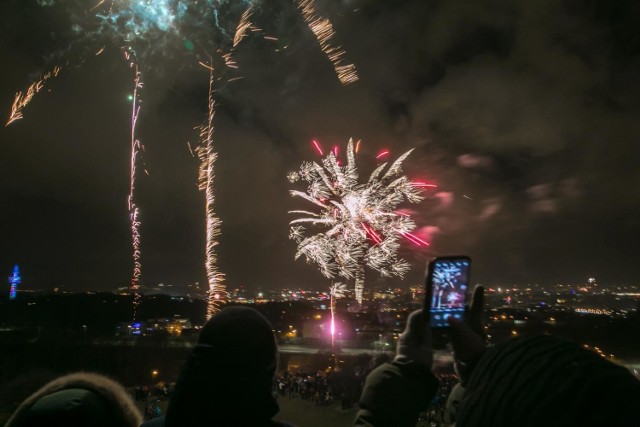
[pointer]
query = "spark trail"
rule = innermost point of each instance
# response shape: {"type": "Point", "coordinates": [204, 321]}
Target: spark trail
{"type": "Point", "coordinates": [134, 212]}
{"type": "Point", "coordinates": [243, 26]}
{"type": "Point", "coordinates": [360, 222]}
{"type": "Point", "coordinates": [23, 98]}
{"type": "Point", "coordinates": [207, 156]}
{"type": "Point", "coordinates": [323, 30]}
{"type": "Point", "coordinates": [337, 290]}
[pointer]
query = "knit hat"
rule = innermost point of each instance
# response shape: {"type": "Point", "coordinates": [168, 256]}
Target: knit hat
{"type": "Point", "coordinates": [228, 377]}
{"type": "Point", "coordinates": [239, 336]}
{"type": "Point", "coordinates": [544, 380]}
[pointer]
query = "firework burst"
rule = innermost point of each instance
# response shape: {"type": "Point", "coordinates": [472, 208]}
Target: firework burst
{"type": "Point", "coordinates": [160, 28]}
{"type": "Point", "coordinates": [359, 219]}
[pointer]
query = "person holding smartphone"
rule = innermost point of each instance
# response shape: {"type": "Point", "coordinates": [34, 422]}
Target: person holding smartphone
{"type": "Point", "coordinates": [527, 381]}
{"type": "Point", "coordinates": [396, 393]}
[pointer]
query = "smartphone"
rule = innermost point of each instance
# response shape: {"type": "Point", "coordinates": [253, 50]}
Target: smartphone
{"type": "Point", "coordinates": [447, 289]}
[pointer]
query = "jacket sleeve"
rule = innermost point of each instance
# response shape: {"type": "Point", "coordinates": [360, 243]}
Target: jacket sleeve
{"type": "Point", "coordinates": [395, 393]}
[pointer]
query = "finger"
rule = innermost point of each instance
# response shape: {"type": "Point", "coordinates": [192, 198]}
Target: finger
{"type": "Point", "coordinates": [416, 330]}
{"type": "Point", "coordinates": [416, 322]}
{"type": "Point", "coordinates": [465, 342]}
{"type": "Point", "coordinates": [458, 327]}
{"type": "Point", "coordinates": [477, 302]}
{"type": "Point", "coordinates": [474, 315]}
{"type": "Point", "coordinates": [460, 333]}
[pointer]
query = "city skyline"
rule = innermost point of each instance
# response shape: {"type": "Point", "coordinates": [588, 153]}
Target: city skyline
{"type": "Point", "coordinates": [527, 129]}
{"type": "Point", "coordinates": [199, 290]}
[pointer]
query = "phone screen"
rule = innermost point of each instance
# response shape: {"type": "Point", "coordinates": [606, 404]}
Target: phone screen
{"type": "Point", "coordinates": [449, 289]}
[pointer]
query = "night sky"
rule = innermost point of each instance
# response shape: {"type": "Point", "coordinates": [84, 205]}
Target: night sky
{"type": "Point", "coordinates": [525, 113]}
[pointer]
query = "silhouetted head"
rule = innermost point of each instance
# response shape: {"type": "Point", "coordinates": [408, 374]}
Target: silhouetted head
{"type": "Point", "coordinates": [544, 380]}
{"type": "Point", "coordinates": [240, 336]}
{"type": "Point", "coordinates": [228, 377]}
{"type": "Point", "coordinates": [78, 400]}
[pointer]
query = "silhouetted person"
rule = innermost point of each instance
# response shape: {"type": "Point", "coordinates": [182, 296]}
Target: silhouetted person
{"type": "Point", "coordinates": [395, 393]}
{"type": "Point", "coordinates": [78, 400]}
{"type": "Point", "coordinates": [228, 377]}
{"type": "Point", "coordinates": [534, 381]}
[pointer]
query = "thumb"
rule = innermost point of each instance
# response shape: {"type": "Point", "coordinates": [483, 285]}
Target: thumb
{"type": "Point", "coordinates": [415, 342]}
{"type": "Point", "coordinates": [416, 330]}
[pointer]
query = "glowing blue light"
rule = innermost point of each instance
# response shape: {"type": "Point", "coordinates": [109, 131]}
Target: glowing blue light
{"type": "Point", "coordinates": [14, 281]}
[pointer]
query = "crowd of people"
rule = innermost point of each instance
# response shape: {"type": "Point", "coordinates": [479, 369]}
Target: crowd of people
{"type": "Point", "coordinates": [151, 396]}
{"type": "Point", "coordinates": [228, 380]}
{"type": "Point", "coordinates": [322, 387]}
{"type": "Point", "coordinates": [435, 414]}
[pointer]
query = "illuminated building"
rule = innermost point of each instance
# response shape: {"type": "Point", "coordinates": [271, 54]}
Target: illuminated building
{"type": "Point", "coordinates": [163, 326]}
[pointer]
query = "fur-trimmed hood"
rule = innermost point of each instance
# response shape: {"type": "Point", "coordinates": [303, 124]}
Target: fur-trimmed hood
{"type": "Point", "coordinates": [120, 404]}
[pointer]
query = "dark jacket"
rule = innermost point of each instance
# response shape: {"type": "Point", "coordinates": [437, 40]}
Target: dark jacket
{"type": "Point", "coordinates": [159, 422]}
{"type": "Point", "coordinates": [395, 394]}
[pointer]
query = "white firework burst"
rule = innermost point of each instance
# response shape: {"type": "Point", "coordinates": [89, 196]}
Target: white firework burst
{"type": "Point", "coordinates": [359, 220]}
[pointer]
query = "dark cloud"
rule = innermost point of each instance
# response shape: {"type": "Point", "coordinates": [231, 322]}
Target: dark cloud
{"type": "Point", "coordinates": [524, 113]}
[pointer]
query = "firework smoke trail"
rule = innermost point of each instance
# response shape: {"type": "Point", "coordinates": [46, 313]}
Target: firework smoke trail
{"type": "Point", "coordinates": [323, 30]}
{"type": "Point", "coordinates": [217, 290]}
{"type": "Point", "coordinates": [23, 98]}
{"type": "Point", "coordinates": [362, 227]}
{"type": "Point", "coordinates": [134, 212]}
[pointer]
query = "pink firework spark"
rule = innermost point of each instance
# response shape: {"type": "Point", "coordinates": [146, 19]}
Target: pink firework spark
{"type": "Point", "coordinates": [420, 184]}
{"type": "Point", "coordinates": [415, 239]}
{"type": "Point", "coordinates": [317, 147]}
{"type": "Point", "coordinates": [382, 154]}
{"type": "Point", "coordinates": [374, 236]}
